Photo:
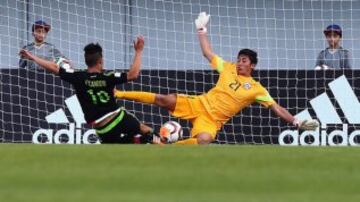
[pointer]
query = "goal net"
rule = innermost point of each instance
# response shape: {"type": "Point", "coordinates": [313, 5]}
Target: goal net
{"type": "Point", "coordinates": [287, 34]}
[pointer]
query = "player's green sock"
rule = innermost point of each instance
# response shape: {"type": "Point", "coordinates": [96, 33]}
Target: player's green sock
{"type": "Point", "coordinates": [137, 96]}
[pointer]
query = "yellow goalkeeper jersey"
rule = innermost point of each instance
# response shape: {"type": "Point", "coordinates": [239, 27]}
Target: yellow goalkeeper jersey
{"type": "Point", "coordinates": [232, 92]}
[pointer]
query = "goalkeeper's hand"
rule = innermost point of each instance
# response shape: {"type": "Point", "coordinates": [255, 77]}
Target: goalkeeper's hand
{"type": "Point", "coordinates": [201, 22]}
{"type": "Point", "coordinates": [311, 124]}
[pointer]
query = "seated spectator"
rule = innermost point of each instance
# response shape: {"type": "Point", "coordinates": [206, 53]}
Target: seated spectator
{"type": "Point", "coordinates": [334, 56]}
{"type": "Point", "coordinates": [40, 47]}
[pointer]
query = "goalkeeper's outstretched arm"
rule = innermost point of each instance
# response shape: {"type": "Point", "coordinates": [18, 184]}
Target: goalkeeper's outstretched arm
{"type": "Point", "coordinates": [201, 23]}
{"type": "Point", "coordinates": [46, 64]}
{"type": "Point", "coordinates": [285, 115]}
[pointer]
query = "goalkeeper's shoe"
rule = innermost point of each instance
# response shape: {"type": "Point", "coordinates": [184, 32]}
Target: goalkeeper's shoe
{"type": "Point", "coordinates": [311, 124]}
{"type": "Point", "coordinates": [201, 22]}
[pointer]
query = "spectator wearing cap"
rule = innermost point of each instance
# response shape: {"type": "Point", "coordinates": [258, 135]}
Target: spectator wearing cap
{"type": "Point", "coordinates": [40, 47]}
{"type": "Point", "coordinates": [334, 56]}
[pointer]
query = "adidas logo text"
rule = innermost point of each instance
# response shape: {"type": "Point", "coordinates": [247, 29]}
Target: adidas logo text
{"type": "Point", "coordinates": [73, 134]}
{"type": "Point", "coordinates": [320, 137]}
{"type": "Point", "coordinates": [327, 114]}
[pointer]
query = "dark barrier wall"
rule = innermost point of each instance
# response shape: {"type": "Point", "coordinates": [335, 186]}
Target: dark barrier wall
{"type": "Point", "coordinates": [27, 97]}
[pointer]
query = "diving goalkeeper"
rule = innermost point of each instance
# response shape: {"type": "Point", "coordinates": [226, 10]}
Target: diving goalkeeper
{"type": "Point", "coordinates": [234, 90]}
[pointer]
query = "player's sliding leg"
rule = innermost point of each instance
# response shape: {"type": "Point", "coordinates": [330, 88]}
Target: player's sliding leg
{"type": "Point", "coordinates": [123, 129]}
{"type": "Point", "coordinates": [202, 138]}
{"type": "Point", "coordinates": [138, 96]}
{"type": "Point", "coordinates": [204, 127]}
{"type": "Point", "coordinates": [166, 101]}
{"type": "Point", "coordinates": [189, 141]}
{"type": "Point", "coordinates": [190, 108]}
{"type": "Point", "coordinates": [187, 107]}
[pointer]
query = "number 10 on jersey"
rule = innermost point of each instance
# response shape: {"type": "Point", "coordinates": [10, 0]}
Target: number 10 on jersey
{"type": "Point", "coordinates": [101, 96]}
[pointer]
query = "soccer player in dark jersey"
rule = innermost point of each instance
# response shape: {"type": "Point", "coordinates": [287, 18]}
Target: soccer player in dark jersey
{"type": "Point", "coordinates": [94, 88]}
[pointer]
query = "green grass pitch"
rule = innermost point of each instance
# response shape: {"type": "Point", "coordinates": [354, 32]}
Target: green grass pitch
{"type": "Point", "coordinates": [88, 173]}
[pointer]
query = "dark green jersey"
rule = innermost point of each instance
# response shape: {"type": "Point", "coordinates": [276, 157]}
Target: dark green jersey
{"type": "Point", "coordinates": [94, 91]}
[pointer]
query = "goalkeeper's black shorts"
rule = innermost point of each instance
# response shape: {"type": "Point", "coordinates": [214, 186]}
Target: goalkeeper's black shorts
{"type": "Point", "coordinates": [120, 130]}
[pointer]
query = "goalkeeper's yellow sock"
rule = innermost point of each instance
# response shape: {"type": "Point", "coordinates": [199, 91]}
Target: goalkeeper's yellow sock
{"type": "Point", "coordinates": [137, 96]}
{"type": "Point", "coordinates": [187, 141]}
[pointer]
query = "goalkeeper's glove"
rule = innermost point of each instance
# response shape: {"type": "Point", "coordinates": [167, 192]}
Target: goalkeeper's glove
{"type": "Point", "coordinates": [311, 124]}
{"type": "Point", "coordinates": [201, 22]}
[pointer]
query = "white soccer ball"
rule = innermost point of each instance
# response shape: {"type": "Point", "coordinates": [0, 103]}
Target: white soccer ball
{"type": "Point", "coordinates": [62, 62]}
{"type": "Point", "coordinates": [171, 131]}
